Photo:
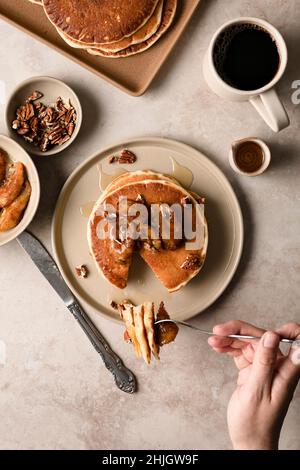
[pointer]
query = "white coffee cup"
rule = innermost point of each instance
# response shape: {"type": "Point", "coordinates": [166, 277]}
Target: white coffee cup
{"type": "Point", "coordinates": [265, 99]}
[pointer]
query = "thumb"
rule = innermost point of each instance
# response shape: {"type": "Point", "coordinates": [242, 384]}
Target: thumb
{"type": "Point", "coordinates": [265, 360]}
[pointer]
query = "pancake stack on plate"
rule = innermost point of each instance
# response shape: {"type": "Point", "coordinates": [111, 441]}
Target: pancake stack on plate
{"type": "Point", "coordinates": [110, 28]}
{"type": "Point", "coordinates": [170, 259]}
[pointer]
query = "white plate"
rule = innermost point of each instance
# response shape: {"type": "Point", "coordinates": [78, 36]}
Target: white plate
{"type": "Point", "coordinates": [17, 154]}
{"type": "Point", "coordinates": [224, 221]}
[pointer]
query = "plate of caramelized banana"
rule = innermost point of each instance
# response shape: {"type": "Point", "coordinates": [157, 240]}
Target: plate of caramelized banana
{"type": "Point", "coordinates": [19, 189]}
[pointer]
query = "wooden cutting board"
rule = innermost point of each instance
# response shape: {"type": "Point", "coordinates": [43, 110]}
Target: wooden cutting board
{"type": "Point", "coordinates": [132, 75]}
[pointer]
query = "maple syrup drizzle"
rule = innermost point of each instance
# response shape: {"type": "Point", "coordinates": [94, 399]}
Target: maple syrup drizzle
{"type": "Point", "coordinates": [182, 174]}
{"type": "Point", "coordinates": [249, 157]}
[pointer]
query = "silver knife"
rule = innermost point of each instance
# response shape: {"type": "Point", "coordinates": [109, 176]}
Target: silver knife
{"type": "Point", "coordinates": [124, 378]}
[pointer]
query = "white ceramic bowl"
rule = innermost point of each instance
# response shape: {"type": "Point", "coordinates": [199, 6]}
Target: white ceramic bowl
{"type": "Point", "coordinates": [51, 88]}
{"type": "Point", "coordinates": [266, 152]}
{"type": "Point", "coordinates": [17, 153]}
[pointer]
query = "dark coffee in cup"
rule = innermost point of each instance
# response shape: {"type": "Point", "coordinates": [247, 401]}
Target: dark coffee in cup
{"type": "Point", "coordinates": [246, 56]}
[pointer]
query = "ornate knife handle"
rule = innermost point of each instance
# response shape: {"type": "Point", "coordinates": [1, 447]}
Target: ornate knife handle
{"type": "Point", "coordinates": [124, 378]}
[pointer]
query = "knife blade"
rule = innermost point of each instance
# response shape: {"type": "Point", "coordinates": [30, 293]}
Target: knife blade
{"type": "Point", "coordinates": [124, 378]}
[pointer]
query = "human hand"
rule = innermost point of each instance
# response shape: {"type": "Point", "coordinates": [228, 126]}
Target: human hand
{"type": "Point", "coordinates": [266, 382]}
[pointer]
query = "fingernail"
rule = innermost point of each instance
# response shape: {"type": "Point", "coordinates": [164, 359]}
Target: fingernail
{"type": "Point", "coordinates": [295, 356]}
{"type": "Point", "coordinates": [270, 340]}
{"type": "Point", "coordinates": [216, 327]}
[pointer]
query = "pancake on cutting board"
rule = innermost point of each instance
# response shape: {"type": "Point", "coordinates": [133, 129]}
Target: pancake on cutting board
{"type": "Point", "coordinates": [141, 35]}
{"type": "Point", "coordinates": [169, 11]}
{"type": "Point", "coordinates": [96, 22]}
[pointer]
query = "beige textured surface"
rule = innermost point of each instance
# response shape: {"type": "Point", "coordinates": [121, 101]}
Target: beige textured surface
{"type": "Point", "coordinates": [54, 391]}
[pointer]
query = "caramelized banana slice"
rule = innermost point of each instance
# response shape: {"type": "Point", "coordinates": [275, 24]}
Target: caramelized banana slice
{"type": "Point", "coordinates": [140, 331]}
{"type": "Point", "coordinates": [12, 214]}
{"type": "Point", "coordinates": [165, 332]}
{"type": "Point", "coordinates": [2, 165]}
{"type": "Point", "coordinates": [13, 184]}
{"type": "Point", "coordinates": [149, 325]}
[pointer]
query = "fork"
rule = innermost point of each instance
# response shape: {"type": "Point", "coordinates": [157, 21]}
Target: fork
{"type": "Point", "coordinates": [210, 333]}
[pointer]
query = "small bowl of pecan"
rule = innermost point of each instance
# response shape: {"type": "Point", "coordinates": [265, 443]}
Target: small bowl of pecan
{"type": "Point", "coordinates": [44, 115]}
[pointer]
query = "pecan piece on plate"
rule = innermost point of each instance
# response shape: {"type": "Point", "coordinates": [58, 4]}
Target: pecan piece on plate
{"type": "Point", "coordinates": [81, 271]}
{"type": "Point", "coordinates": [127, 157]}
{"type": "Point", "coordinates": [112, 159]}
{"type": "Point", "coordinates": [113, 305]}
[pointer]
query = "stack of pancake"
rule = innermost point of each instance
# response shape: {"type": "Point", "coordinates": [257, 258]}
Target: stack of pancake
{"type": "Point", "coordinates": [170, 259]}
{"type": "Point", "coordinates": [110, 28]}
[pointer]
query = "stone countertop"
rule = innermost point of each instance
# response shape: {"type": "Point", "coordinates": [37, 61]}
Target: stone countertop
{"type": "Point", "coordinates": [54, 391]}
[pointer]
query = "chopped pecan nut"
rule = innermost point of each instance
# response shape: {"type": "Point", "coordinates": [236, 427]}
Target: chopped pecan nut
{"type": "Point", "coordinates": [64, 139]}
{"type": "Point", "coordinates": [153, 245]}
{"type": "Point", "coordinates": [69, 116]}
{"type": "Point", "coordinates": [81, 271]}
{"type": "Point", "coordinates": [186, 200]}
{"type": "Point", "coordinates": [113, 305]}
{"type": "Point", "coordinates": [29, 111]}
{"type": "Point", "coordinates": [192, 262]}
{"type": "Point", "coordinates": [127, 157]}
{"type": "Point", "coordinates": [16, 124]}
{"type": "Point", "coordinates": [54, 134]}
{"type": "Point", "coordinates": [23, 130]}
{"type": "Point", "coordinates": [112, 159]}
{"type": "Point", "coordinates": [56, 139]}
{"type": "Point", "coordinates": [70, 128]}
{"type": "Point", "coordinates": [35, 95]}
{"type": "Point", "coordinates": [21, 113]}
{"type": "Point", "coordinates": [34, 124]}
{"type": "Point", "coordinates": [44, 143]}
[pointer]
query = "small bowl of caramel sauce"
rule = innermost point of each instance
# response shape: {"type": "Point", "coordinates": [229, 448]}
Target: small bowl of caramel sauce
{"type": "Point", "coordinates": [250, 157]}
